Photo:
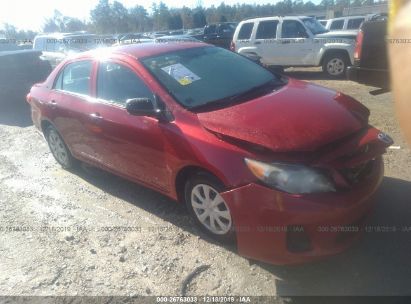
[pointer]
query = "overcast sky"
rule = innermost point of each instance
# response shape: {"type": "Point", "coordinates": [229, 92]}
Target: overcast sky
{"type": "Point", "coordinates": [31, 14]}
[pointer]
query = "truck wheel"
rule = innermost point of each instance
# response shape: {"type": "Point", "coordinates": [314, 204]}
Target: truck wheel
{"type": "Point", "coordinates": [335, 65]}
{"type": "Point", "coordinates": [208, 209]}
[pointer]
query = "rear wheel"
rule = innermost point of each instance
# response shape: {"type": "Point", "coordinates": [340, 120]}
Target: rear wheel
{"type": "Point", "coordinates": [58, 148]}
{"type": "Point", "coordinates": [335, 65]}
{"type": "Point", "coordinates": [208, 208]}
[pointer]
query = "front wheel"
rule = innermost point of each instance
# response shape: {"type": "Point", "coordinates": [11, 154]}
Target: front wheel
{"type": "Point", "coordinates": [208, 208]}
{"type": "Point", "coordinates": [335, 65]}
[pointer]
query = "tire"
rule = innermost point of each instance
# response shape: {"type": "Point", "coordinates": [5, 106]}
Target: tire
{"type": "Point", "coordinates": [218, 222]}
{"type": "Point", "coordinates": [335, 65]}
{"type": "Point", "coordinates": [59, 149]}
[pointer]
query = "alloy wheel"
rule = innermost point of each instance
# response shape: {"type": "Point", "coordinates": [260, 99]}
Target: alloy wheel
{"type": "Point", "coordinates": [335, 66]}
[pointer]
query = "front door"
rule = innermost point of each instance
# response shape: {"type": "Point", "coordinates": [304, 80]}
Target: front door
{"type": "Point", "coordinates": [129, 145]}
{"type": "Point", "coordinates": [295, 45]}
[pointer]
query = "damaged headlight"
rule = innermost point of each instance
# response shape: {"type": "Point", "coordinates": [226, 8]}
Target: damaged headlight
{"type": "Point", "coordinates": [295, 179]}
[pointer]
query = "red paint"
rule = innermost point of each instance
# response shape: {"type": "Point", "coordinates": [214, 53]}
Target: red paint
{"type": "Point", "coordinates": [300, 122]}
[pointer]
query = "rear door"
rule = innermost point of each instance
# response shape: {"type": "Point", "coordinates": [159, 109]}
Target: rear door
{"type": "Point", "coordinates": [69, 105]}
{"type": "Point", "coordinates": [266, 42]}
{"type": "Point", "coordinates": [243, 39]}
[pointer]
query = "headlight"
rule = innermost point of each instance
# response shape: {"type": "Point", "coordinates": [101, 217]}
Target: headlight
{"type": "Point", "coordinates": [294, 179]}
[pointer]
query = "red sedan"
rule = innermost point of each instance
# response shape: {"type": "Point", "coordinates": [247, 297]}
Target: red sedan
{"type": "Point", "coordinates": [285, 168]}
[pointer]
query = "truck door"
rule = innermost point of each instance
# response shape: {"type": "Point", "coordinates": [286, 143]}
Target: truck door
{"type": "Point", "coordinates": [295, 45]}
{"type": "Point", "coordinates": [266, 41]}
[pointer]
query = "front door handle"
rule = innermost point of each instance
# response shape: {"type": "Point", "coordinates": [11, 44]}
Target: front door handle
{"type": "Point", "coordinates": [257, 42]}
{"type": "Point", "coordinates": [53, 104]}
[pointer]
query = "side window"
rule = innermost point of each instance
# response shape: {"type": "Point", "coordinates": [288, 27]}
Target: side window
{"type": "Point", "coordinates": [354, 24]}
{"type": "Point", "coordinates": [117, 83]}
{"type": "Point", "coordinates": [245, 31]}
{"type": "Point", "coordinates": [267, 30]}
{"type": "Point", "coordinates": [50, 46]}
{"type": "Point", "coordinates": [337, 25]}
{"type": "Point", "coordinates": [58, 85]}
{"type": "Point", "coordinates": [293, 29]}
{"type": "Point", "coordinates": [75, 78]}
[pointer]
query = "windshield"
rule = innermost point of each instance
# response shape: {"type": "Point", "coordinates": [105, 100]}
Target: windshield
{"type": "Point", "coordinates": [314, 26]}
{"type": "Point", "coordinates": [204, 75]}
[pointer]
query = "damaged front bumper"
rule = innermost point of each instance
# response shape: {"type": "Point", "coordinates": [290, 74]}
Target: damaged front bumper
{"type": "Point", "coordinates": [281, 228]}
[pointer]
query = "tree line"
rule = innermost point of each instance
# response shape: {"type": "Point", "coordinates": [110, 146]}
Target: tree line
{"type": "Point", "coordinates": [113, 17]}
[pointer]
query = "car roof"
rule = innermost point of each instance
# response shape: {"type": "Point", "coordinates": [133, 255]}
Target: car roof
{"type": "Point", "coordinates": [141, 50]}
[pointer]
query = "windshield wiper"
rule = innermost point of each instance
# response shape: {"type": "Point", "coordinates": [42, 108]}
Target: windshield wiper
{"type": "Point", "coordinates": [265, 86]}
{"type": "Point", "coordinates": [226, 101]}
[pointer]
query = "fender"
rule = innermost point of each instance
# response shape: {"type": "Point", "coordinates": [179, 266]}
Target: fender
{"type": "Point", "coordinates": [347, 48]}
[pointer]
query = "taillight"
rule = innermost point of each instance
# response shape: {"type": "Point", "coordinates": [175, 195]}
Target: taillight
{"type": "Point", "coordinates": [232, 46]}
{"type": "Point", "coordinates": [358, 45]}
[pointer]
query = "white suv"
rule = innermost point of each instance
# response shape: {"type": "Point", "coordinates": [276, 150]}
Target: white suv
{"type": "Point", "coordinates": [295, 41]}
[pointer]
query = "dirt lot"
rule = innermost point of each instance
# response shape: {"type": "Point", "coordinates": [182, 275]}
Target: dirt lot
{"type": "Point", "coordinates": [68, 245]}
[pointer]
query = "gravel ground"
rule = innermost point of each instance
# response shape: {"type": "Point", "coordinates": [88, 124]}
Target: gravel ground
{"type": "Point", "coordinates": [88, 232]}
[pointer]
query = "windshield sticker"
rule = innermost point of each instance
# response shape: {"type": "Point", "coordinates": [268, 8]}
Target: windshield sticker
{"type": "Point", "coordinates": [180, 73]}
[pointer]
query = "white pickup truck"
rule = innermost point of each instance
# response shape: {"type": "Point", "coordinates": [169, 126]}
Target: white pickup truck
{"type": "Point", "coordinates": [295, 41]}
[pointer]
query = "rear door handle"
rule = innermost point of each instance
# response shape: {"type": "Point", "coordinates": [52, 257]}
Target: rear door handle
{"type": "Point", "coordinates": [53, 103]}
{"type": "Point", "coordinates": [95, 116]}
{"type": "Point", "coordinates": [257, 42]}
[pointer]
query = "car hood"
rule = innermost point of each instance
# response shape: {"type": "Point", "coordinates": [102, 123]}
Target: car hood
{"type": "Point", "coordinates": [298, 117]}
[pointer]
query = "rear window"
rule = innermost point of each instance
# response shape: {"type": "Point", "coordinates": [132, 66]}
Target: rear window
{"type": "Point", "coordinates": [267, 30]}
{"type": "Point", "coordinates": [337, 25]}
{"type": "Point", "coordinates": [75, 78]}
{"type": "Point", "coordinates": [245, 31]}
{"type": "Point", "coordinates": [354, 24]}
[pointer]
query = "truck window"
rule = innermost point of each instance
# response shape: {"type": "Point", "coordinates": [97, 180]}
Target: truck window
{"type": "Point", "coordinates": [355, 23]}
{"type": "Point", "coordinates": [337, 25]}
{"type": "Point", "coordinates": [267, 29]}
{"type": "Point", "coordinates": [245, 31]}
{"type": "Point", "coordinates": [293, 29]}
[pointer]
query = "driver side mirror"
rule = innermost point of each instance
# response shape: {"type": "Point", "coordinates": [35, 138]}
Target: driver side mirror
{"type": "Point", "coordinates": [146, 107]}
{"type": "Point", "coordinates": [141, 107]}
